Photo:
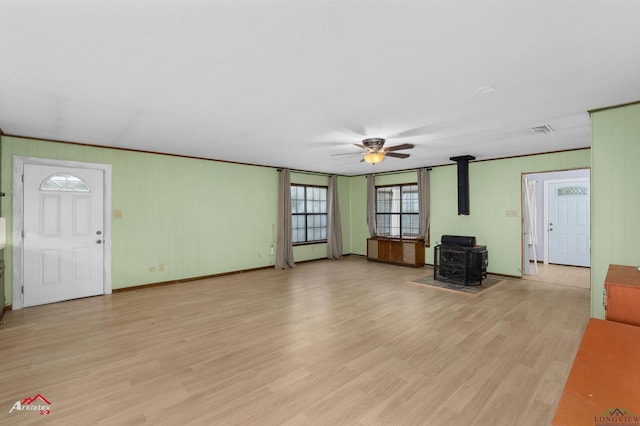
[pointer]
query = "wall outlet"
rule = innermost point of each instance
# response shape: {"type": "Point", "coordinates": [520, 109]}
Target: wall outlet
{"type": "Point", "coordinates": [117, 214]}
{"type": "Point", "coordinates": [273, 251]}
{"type": "Point", "coordinates": [152, 269]}
{"type": "Point", "coordinates": [511, 213]}
{"type": "Point", "coordinates": [161, 267]}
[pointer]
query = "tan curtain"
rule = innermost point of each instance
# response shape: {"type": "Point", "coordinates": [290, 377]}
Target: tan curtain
{"type": "Point", "coordinates": [284, 254]}
{"type": "Point", "coordinates": [334, 228]}
{"type": "Point", "coordinates": [424, 204]}
{"type": "Point", "coordinates": [371, 204]}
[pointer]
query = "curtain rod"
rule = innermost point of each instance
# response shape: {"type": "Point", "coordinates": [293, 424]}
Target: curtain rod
{"type": "Point", "coordinates": [304, 172]}
{"type": "Point", "coordinates": [398, 172]}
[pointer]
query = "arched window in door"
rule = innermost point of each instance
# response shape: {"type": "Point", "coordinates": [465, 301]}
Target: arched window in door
{"type": "Point", "coordinates": [64, 182]}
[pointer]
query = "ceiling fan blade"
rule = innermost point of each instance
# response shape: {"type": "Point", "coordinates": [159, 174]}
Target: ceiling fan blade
{"type": "Point", "coordinates": [346, 153]}
{"type": "Point", "coordinates": [357, 130]}
{"type": "Point", "coordinates": [360, 146]}
{"type": "Point", "coordinates": [396, 155]}
{"type": "Point", "coordinates": [419, 131]}
{"type": "Point", "coordinates": [399, 147]}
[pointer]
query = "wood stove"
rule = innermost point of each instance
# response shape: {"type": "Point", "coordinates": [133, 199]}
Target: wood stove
{"type": "Point", "coordinates": [459, 260]}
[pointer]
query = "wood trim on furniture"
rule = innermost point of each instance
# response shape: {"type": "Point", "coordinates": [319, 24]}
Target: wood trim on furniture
{"type": "Point", "coordinates": [622, 285]}
{"type": "Point", "coordinates": [396, 251]}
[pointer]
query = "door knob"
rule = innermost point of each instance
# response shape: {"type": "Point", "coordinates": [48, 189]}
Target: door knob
{"type": "Point", "coordinates": [98, 232]}
{"type": "Point", "coordinates": [99, 241]}
{"type": "Point", "coordinates": [550, 229]}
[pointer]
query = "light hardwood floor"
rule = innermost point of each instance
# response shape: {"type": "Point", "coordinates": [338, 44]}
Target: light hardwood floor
{"type": "Point", "coordinates": [574, 276]}
{"type": "Point", "coordinates": [328, 343]}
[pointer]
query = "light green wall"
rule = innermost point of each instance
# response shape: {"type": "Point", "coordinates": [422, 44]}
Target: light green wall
{"type": "Point", "coordinates": [359, 231]}
{"type": "Point", "coordinates": [200, 217]}
{"type": "Point", "coordinates": [194, 217]}
{"type": "Point", "coordinates": [495, 195]}
{"type": "Point", "coordinates": [397, 178]}
{"type": "Point", "coordinates": [615, 197]}
{"type": "Point", "coordinates": [495, 191]}
{"type": "Point", "coordinates": [1, 176]}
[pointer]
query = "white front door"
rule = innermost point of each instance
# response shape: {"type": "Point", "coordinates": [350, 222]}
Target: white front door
{"type": "Point", "coordinates": [63, 233]}
{"type": "Point", "coordinates": [569, 223]}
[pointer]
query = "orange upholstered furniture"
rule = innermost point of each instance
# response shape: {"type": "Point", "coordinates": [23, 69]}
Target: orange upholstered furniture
{"type": "Point", "coordinates": [604, 384]}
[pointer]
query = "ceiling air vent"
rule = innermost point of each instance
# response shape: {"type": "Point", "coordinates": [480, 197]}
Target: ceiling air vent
{"type": "Point", "coordinates": [541, 130]}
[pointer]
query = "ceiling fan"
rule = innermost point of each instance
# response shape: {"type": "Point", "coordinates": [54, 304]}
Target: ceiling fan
{"type": "Point", "coordinates": [375, 152]}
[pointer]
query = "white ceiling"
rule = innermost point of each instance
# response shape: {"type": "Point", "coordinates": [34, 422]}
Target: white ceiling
{"type": "Point", "coordinates": [291, 82]}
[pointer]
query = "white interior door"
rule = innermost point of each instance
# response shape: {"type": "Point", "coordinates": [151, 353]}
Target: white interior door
{"type": "Point", "coordinates": [63, 233]}
{"type": "Point", "coordinates": [569, 223]}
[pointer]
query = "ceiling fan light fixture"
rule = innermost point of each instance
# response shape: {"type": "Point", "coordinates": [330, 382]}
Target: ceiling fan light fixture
{"type": "Point", "coordinates": [373, 157]}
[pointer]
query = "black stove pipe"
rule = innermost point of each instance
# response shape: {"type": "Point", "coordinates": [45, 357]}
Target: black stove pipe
{"type": "Point", "coordinates": [463, 182]}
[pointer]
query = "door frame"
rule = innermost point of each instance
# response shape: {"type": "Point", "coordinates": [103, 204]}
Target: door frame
{"type": "Point", "coordinates": [523, 231]}
{"type": "Point", "coordinates": [546, 211]}
{"type": "Point", "coordinates": [18, 219]}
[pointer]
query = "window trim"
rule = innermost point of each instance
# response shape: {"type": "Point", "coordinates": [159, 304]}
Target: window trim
{"type": "Point", "coordinates": [305, 214]}
{"type": "Point", "coordinates": [400, 213]}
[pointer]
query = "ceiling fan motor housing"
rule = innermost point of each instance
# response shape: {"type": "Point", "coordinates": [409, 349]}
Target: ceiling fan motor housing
{"type": "Point", "coordinates": [374, 144]}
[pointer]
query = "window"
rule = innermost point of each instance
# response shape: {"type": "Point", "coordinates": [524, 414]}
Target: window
{"type": "Point", "coordinates": [64, 182]}
{"type": "Point", "coordinates": [397, 212]}
{"type": "Point", "coordinates": [572, 190]}
{"type": "Point", "coordinates": [309, 213]}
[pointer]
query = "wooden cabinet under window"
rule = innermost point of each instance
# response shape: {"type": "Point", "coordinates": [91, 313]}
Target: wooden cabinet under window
{"type": "Point", "coordinates": [623, 294]}
{"type": "Point", "coordinates": [397, 251]}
